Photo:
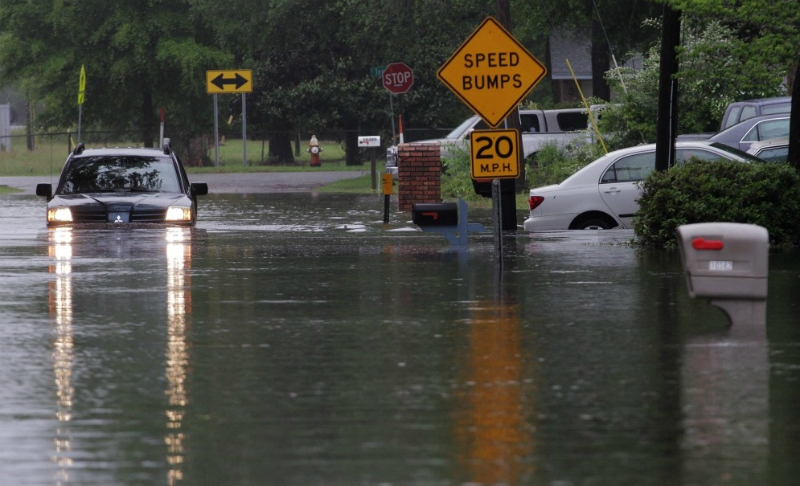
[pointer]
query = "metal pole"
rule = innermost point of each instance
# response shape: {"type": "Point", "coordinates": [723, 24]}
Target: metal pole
{"type": "Point", "coordinates": [161, 131]}
{"type": "Point", "coordinates": [391, 107]}
{"type": "Point", "coordinates": [497, 219]}
{"type": "Point", "coordinates": [374, 153]}
{"type": "Point", "coordinates": [216, 132]}
{"type": "Point", "coordinates": [80, 116]}
{"type": "Point", "coordinates": [244, 129]}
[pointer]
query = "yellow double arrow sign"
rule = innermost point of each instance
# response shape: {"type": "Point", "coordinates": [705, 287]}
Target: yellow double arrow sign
{"type": "Point", "coordinates": [229, 81]}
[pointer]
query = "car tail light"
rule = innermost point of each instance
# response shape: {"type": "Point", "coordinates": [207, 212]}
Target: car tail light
{"type": "Point", "coordinates": [535, 201]}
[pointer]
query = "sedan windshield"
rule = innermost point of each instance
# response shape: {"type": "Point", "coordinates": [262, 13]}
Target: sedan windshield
{"type": "Point", "coordinates": [120, 173]}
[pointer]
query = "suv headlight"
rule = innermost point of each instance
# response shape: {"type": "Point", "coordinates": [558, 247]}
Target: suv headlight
{"type": "Point", "coordinates": [59, 215]}
{"type": "Point", "coordinates": [175, 213]}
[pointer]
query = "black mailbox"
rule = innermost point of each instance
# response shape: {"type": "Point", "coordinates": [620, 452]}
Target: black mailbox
{"type": "Point", "coordinates": [441, 214]}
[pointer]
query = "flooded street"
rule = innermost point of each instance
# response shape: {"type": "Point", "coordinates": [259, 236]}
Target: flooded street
{"type": "Point", "coordinates": [293, 339]}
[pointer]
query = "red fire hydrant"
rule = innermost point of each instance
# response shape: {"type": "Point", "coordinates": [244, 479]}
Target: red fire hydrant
{"type": "Point", "coordinates": [314, 149]}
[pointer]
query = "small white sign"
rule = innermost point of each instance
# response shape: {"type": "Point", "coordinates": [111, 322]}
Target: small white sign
{"type": "Point", "coordinates": [369, 141]}
{"type": "Point", "coordinates": [720, 266]}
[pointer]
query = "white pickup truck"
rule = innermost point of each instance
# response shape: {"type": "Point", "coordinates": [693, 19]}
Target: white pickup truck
{"type": "Point", "coordinates": [538, 128]}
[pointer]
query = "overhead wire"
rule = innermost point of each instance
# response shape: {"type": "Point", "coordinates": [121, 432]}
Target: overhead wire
{"type": "Point", "coordinates": [610, 49]}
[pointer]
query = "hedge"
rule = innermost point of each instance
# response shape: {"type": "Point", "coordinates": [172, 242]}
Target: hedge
{"type": "Point", "coordinates": [766, 194]}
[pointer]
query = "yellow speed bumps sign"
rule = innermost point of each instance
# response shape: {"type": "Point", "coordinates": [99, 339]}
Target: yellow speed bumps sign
{"type": "Point", "coordinates": [491, 72]}
{"type": "Point", "coordinates": [494, 154]}
{"type": "Point", "coordinates": [229, 81]}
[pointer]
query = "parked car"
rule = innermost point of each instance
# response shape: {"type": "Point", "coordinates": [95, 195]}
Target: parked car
{"type": "Point", "coordinates": [538, 127]}
{"type": "Point", "coordinates": [604, 194]}
{"type": "Point", "coordinates": [755, 129]}
{"type": "Point", "coordinates": [774, 150]}
{"type": "Point", "coordinates": [740, 111]}
{"type": "Point", "coordinates": [121, 186]}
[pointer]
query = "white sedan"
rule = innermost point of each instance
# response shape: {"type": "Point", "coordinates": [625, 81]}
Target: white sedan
{"type": "Point", "coordinates": [605, 193]}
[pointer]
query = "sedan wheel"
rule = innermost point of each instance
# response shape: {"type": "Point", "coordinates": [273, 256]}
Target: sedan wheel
{"type": "Point", "coordinates": [593, 224]}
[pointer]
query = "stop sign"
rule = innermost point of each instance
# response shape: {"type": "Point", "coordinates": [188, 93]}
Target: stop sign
{"type": "Point", "coordinates": [398, 78]}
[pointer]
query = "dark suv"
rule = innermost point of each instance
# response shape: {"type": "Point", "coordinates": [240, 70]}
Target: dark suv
{"type": "Point", "coordinates": [742, 110]}
{"type": "Point", "coordinates": [122, 185]}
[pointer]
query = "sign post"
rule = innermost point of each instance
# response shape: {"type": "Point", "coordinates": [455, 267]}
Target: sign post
{"type": "Point", "coordinates": [81, 99]}
{"type": "Point", "coordinates": [386, 186]}
{"type": "Point", "coordinates": [161, 130]}
{"type": "Point", "coordinates": [397, 79]}
{"type": "Point", "coordinates": [491, 72]}
{"type": "Point", "coordinates": [230, 81]}
{"type": "Point", "coordinates": [373, 142]}
{"type": "Point", "coordinates": [216, 131]}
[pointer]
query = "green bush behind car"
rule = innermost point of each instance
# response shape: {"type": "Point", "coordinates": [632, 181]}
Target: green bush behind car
{"type": "Point", "coordinates": [765, 194]}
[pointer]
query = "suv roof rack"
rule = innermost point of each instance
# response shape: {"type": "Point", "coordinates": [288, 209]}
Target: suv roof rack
{"type": "Point", "coordinates": [167, 147]}
{"type": "Point", "coordinates": [78, 149]}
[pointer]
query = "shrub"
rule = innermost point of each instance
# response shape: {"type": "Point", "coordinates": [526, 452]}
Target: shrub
{"type": "Point", "coordinates": [697, 192]}
{"type": "Point", "coordinates": [456, 180]}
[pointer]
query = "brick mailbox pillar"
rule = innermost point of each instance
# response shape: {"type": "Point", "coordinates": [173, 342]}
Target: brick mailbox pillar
{"type": "Point", "coordinates": [419, 173]}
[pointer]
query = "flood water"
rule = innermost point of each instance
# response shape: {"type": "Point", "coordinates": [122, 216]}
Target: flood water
{"type": "Point", "coordinates": [293, 339]}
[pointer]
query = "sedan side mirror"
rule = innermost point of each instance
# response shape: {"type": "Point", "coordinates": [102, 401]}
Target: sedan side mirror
{"type": "Point", "coordinates": [199, 188]}
{"type": "Point", "coordinates": [45, 190]}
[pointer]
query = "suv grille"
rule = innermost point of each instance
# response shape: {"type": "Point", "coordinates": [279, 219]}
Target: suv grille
{"type": "Point", "coordinates": [83, 216]}
{"type": "Point", "coordinates": [148, 216]}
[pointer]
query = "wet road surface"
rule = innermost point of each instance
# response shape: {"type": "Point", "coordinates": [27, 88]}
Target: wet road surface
{"type": "Point", "coordinates": [293, 339]}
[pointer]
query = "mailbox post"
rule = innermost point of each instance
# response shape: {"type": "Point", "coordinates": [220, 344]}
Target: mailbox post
{"type": "Point", "coordinates": [448, 219]}
{"type": "Point", "coordinates": [728, 264]}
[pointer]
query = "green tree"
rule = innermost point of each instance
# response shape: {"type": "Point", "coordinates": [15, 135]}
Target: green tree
{"type": "Point", "coordinates": [770, 44]}
{"type": "Point", "coordinates": [139, 56]}
{"type": "Point", "coordinates": [312, 61]}
{"type": "Point", "coordinates": [614, 26]}
{"type": "Point", "coordinates": [709, 78]}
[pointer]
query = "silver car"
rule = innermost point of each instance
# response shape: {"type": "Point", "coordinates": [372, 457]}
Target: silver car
{"type": "Point", "coordinates": [605, 193]}
{"type": "Point", "coordinates": [773, 150]}
{"type": "Point", "coordinates": [755, 129]}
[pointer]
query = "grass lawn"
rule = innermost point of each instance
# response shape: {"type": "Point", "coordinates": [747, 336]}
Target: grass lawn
{"type": "Point", "coordinates": [357, 185]}
{"type": "Point", "coordinates": [8, 190]}
{"type": "Point", "coordinates": [48, 157]}
{"type": "Point", "coordinates": [51, 152]}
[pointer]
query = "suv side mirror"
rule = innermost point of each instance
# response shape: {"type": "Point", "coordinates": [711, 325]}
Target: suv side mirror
{"type": "Point", "coordinates": [199, 188]}
{"type": "Point", "coordinates": [45, 190]}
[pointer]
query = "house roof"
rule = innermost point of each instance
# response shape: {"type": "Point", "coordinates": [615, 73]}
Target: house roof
{"type": "Point", "coordinates": [578, 49]}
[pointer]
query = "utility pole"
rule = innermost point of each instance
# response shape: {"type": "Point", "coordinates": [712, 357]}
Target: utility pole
{"type": "Point", "coordinates": [794, 122]}
{"type": "Point", "coordinates": [509, 187]}
{"type": "Point", "coordinates": [667, 123]}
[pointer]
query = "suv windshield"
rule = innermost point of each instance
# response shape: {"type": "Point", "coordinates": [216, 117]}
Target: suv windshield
{"type": "Point", "coordinates": [120, 173]}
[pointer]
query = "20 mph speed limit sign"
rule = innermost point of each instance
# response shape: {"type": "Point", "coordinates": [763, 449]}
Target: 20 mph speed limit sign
{"type": "Point", "coordinates": [494, 154]}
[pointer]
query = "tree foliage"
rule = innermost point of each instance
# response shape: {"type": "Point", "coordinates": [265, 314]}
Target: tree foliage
{"type": "Point", "coordinates": [139, 56]}
{"type": "Point", "coordinates": [613, 26]}
{"type": "Point", "coordinates": [312, 58]}
{"type": "Point", "coordinates": [312, 61]}
{"type": "Point", "coordinates": [710, 77]}
{"type": "Point", "coordinates": [769, 33]}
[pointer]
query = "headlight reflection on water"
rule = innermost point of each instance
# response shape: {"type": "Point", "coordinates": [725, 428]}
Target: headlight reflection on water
{"type": "Point", "coordinates": [60, 252]}
{"type": "Point", "coordinates": [177, 354]}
